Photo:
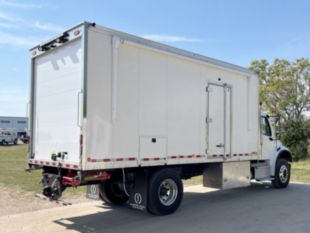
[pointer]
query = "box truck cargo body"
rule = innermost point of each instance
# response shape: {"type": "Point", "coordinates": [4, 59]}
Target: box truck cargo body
{"type": "Point", "coordinates": [121, 111]}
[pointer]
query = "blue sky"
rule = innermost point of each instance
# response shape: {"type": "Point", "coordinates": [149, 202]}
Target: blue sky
{"type": "Point", "coordinates": [237, 31]}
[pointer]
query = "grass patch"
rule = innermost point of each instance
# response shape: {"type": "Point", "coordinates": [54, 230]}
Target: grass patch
{"type": "Point", "coordinates": [13, 162]}
{"type": "Point", "coordinates": [301, 171]}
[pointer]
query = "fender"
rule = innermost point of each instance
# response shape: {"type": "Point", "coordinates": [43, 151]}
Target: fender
{"type": "Point", "coordinates": [281, 152]}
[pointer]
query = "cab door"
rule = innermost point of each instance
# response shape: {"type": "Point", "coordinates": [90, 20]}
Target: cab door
{"type": "Point", "coordinates": [268, 144]}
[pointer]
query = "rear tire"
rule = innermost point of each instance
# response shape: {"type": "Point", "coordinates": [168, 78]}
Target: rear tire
{"type": "Point", "coordinates": [111, 193]}
{"type": "Point", "coordinates": [165, 192]}
{"type": "Point", "coordinates": [282, 174]}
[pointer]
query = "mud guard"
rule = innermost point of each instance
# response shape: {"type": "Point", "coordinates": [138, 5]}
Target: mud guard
{"type": "Point", "coordinates": [138, 195]}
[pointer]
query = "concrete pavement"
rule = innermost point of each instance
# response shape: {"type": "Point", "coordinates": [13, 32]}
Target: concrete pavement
{"type": "Point", "coordinates": [255, 209]}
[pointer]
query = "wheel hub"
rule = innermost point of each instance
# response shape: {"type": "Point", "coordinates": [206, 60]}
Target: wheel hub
{"type": "Point", "coordinates": [167, 192]}
{"type": "Point", "coordinates": [283, 173]}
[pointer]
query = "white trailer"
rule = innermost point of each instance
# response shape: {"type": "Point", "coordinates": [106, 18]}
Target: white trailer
{"type": "Point", "coordinates": [136, 116]}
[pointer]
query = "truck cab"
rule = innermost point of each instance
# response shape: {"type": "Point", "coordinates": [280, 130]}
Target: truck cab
{"type": "Point", "coordinates": [273, 151]}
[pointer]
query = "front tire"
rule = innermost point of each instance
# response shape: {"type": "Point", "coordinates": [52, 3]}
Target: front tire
{"type": "Point", "coordinates": [165, 192]}
{"type": "Point", "coordinates": [112, 193]}
{"type": "Point", "coordinates": [282, 174]}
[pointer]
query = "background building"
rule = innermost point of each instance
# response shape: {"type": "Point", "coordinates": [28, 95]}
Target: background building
{"type": "Point", "coordinates": [20, 124]}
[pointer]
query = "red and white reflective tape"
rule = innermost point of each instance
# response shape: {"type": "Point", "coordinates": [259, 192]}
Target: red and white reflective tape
{"type": "Point", "coordinates": [227, 155]}
{"type": "Point", "coordinates": [153, 158]}
{"type": "Point", "coordinates": [150, 158]}
{"type": "Point", "coordinates": [53, 164]}
{"type": "Point", "coordinates": [192, 156]}
{"type": "Point", "coordinates": [107, 160]}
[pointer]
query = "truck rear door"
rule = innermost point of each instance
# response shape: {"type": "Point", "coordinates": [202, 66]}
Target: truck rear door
{"type": "Point", "coordinates": [58, 78]}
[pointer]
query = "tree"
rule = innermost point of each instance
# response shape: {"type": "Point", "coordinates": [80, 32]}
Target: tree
{"type": "Point", "coordinates": [295, 135]}
{"type": "Point", "coordinates": [285, 91]}
{"type": "Point", "coordinates": [285, 86]}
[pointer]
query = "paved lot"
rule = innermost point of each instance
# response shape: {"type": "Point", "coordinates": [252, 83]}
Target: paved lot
{"type": "Point", "coordinates": [248, 210]}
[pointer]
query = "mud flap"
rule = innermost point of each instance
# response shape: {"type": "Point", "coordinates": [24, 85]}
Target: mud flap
{"type": "Point", "coordinates": [93, 191]}
{"type": "Point", "coordinates": [138, 195]}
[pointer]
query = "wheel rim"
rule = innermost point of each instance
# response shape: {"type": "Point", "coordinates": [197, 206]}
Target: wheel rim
{"type": "Point", "coordinates": [167, 192]}
{"type": "Point", "coordinates": [283, 173]}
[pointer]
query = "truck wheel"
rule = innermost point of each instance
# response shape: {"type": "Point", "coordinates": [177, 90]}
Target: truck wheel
{"type": "Point", "coordinates": [111, 193]}
{"type": "Point", "coordinates": [165, 192]}
{"type": "Point", "coordinates": [282, 174]}
{"type": "Point", "coordinates": [15, 141]}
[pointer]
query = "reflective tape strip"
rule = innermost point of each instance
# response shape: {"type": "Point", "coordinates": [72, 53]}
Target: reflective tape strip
{"type": "Point", "coordinates": [53, 164]}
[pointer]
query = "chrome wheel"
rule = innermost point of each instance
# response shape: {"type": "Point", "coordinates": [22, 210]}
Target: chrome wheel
{"type": "Point", "coordinates": [283, 173]}
{"type": "Point", "coordinates": [167, 192]}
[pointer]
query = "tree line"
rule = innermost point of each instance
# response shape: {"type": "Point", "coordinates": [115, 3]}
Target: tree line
{"type": "Point", "coordinates": [285, 91]}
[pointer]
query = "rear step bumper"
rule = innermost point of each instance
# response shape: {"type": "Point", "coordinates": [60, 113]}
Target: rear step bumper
{"type": "Point", "coordinates": [53, 164]}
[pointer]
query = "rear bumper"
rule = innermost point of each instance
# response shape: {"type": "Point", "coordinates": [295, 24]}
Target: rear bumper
{"type": "Point", "coordinates": [57, 164]}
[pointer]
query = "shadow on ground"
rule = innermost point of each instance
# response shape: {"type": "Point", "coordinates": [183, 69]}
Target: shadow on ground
{"type": "Point", "coordinates": [258, 208]}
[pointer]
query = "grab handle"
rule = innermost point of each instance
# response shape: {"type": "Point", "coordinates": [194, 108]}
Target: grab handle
{"type": "Point", "coordinates": [79, 123]}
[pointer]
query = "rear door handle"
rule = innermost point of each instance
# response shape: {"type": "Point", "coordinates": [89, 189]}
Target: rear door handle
{"type": "Point", "coordinates": [220, 145]}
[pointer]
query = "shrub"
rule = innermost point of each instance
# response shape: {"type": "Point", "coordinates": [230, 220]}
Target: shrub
{"type": "Point", "coordinates": [295, 134]}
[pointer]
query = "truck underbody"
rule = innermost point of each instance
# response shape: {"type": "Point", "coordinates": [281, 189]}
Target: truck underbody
{"type": "Point", "coordinates": [136, 186]}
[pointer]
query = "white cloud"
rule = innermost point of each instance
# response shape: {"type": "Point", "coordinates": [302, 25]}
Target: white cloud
{"type": "Point", "coordinates": [48, 27]}
{"type": "Point", "coordinates": [14, 40]}
{"type": "Point", "coordinates": [15, 21]}
{"type": "Point", "coordinates": [19, 5]}
{"type": "Point", "coordinates": [8, 17]}
{"type": "Point", "coordinates": [7, 25]}
{"type": "Point", "coordinates": [13, 100]}
{"type": "Point", "coordinates": [170, 38]}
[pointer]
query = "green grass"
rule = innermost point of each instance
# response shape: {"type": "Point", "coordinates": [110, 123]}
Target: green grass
{"type": "Point", "coordinates": [301, 171]}
{"type": "Point", "coordinates": [13, 162]}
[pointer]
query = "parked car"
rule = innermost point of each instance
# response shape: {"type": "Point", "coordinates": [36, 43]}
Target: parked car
{"type": "Point", "coordinates": [8, 136]}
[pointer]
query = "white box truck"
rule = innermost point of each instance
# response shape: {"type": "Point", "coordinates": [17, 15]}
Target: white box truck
{"type": "Point", "coordinates": [136, 117]}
